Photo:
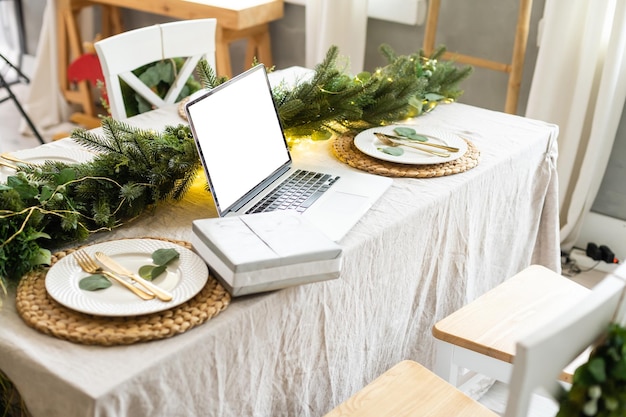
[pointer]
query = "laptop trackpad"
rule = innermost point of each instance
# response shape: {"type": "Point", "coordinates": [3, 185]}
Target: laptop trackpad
{"type": "Point", "coordinates": [336, 214]}
{"type": "Point", "coordinates": [339, 202]}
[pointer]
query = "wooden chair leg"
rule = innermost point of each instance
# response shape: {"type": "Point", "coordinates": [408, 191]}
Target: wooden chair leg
{"type": "Point", "coordinates": [222, 54]}
{"type": "Point", "coordinates": [259, 47]}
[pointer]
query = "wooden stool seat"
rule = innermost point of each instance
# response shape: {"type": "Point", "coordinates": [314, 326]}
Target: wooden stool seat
{"type": "Point", "coordinates": [409, 389]}
{"type": "Point", "coordinates": [482, 335]}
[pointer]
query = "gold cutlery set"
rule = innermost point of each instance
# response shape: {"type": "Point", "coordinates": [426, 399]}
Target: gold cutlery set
{"type": "Point", "coordinates": [121, 275]}
{"type": "Point", "coordinates": [393, 140]}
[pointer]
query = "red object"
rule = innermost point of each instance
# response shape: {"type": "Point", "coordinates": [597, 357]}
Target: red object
{"type": "Point", "coordinates": [85, 67]}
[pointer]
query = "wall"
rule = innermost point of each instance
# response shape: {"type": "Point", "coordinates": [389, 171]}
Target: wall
{"type": "Point", "coordinates": [485, 28]}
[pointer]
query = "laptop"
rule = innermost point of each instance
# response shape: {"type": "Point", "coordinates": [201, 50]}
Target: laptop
{"type": "Point", "coordinates": [246, 158]}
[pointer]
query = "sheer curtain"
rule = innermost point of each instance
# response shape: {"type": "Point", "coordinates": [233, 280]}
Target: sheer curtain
{"type": "Point", "coordinates": [580, 84]}
{"type": "Point", "coordinates": [336, 22]}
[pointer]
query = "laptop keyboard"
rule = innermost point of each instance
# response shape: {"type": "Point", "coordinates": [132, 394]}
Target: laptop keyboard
{"type": "Point", "coordinates": [297, 192]}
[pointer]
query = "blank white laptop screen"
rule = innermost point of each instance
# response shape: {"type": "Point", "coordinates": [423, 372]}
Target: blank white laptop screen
{"type": "Point", "coordinates": [244, 152]}
{"type": "Point", "coordinates": [239, 136]}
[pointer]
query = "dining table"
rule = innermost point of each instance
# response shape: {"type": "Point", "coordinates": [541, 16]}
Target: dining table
{"type": "Point", "coordinates": [427, 247]}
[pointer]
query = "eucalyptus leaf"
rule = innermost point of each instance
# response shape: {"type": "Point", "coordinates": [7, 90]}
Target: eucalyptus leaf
{"type": "Point", "coordinates": [433, 96]}
{"type": "Point", "coordinates": [418, 138]}
{"type": "Point", "coordinates": [164, 256]}
{"type": "Point", "coordinates": [321, 135]}
{"type": "Point", "coordinates": [94, 283]}
{"type": "Point", "coordinates": [37, 235]}
{"type": "Point", "coordinates": [596, 367]}
{"type": "Point", "coordinates": [404, 131]}
{"type": "Point", "coordinates": [66, 175]}
{"type": "Point", "coordinates": [410, 133]}
{"type": "Point", "coordinates": [41, 257]}
{"type": "Point", "coordinates": [150, 272]}
{"type": "Point", "coordinates": [161, 71]}
{"type": "Point", "coordinates": [23, 187]}
{"type": "Point", "coordinates": [46, 193]}
{"type": "Point", "coordinates": [395, 151]}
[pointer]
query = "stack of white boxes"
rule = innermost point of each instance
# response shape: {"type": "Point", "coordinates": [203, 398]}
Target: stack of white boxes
{"type": "Point", "coordinates": [267, 251]}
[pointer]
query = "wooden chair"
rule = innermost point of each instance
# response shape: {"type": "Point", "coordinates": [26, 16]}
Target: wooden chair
{"type": "Point", "coordinates": [514, 68]}
{"type": "Point", "coordinates": [409, 389]}
{"type": "Point", "coordinates": [121, 54]}
{"type": "Point", "coordinates": [480, 338]}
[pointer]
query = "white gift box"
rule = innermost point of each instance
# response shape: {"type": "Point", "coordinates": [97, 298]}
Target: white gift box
{"type": "Point", "coordinates": [265, 251]}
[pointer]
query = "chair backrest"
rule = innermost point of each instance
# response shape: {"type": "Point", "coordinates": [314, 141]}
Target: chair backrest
{"type": "Point", "coordinates": [120, 54]}
{"type": "Point", "coordinates": [541, 356]}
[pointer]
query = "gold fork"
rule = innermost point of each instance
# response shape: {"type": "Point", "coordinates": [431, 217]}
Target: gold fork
{"type": "Point", "coordinates": [90, 266]}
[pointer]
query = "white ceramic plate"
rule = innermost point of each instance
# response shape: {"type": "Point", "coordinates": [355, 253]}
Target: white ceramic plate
{"type": "Point", "coordinates": [184, 278]}
{"type": "Point", "coordinates": [367, 143]}
{"type": "Point", "coordinates": [42, 154]}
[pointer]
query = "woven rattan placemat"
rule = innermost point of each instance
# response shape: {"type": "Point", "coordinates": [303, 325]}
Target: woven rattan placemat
{"type": "Point", "coordinates": [345, 151]}
{"type": "Point", "coordinates": [41, 312]}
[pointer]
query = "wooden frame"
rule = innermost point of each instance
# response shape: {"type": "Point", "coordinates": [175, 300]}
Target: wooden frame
{"type": "Point", "coordinates": [247, 20]}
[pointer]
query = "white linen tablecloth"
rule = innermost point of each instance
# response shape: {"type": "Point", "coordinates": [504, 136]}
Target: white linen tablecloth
{"type": "Point", "coordinates": [425, 249]}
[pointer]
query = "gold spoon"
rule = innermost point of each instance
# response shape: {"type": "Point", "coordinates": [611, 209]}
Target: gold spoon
{"type": "Point", "coordinates": [405, 140]}
{"type": "Point", "coordinates": [391, 142]}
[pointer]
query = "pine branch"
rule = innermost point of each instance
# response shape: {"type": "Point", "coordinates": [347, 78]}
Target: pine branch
{"type": "Point", "coordinates": [208, 78]}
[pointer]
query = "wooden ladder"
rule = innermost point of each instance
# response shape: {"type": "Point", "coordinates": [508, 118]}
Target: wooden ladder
{"type": "Point", "coordinates": [513, 68]}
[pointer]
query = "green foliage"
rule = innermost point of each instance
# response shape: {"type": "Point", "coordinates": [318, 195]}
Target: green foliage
{"type": "Point", "coordinates": [158, 76]}
{"type": "Point", "coordinates": [132, 171]}
{"type": "Point", "coordinates": [599, 386]}
{"type": "Point", "coordinates": [333, 101]}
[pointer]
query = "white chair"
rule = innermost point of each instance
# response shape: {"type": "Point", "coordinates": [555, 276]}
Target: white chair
{"type": "Point", "coordinates": [479, 338]}
{"type": "Point", "coordinates": [119, 55]}
{"type": "Point", "coordinates": [409, 389]}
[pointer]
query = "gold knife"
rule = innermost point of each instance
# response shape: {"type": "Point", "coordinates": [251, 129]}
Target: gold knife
{"type": "Point", "coordinates": [160, 293]}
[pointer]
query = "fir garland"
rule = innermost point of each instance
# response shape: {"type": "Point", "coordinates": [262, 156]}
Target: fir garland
{"type": "Point", "coordinates": [43, 206]}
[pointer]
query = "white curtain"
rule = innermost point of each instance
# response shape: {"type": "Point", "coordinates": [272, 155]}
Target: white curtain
{"type": "Point", "coordinates": [580, 84]}
{"type": "Point", "coordinates": [45, 103]}
{"type": "Point", "coordinates": [336, 22]}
